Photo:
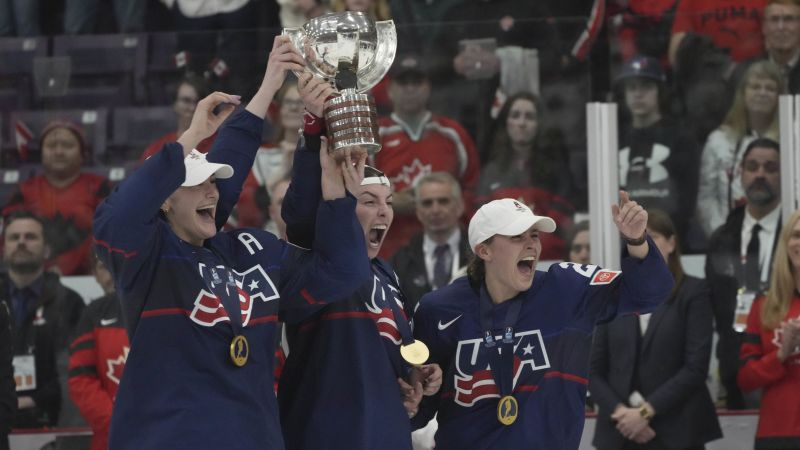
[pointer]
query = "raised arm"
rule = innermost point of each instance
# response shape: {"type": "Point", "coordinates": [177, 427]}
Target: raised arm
{"type": "Point", "coordinates": [299, 208]}
{"type": "Point", "coordinates": [240, 138]}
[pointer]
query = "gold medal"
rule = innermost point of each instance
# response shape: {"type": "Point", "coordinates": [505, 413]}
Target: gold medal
{"type": "Point", "coordinates": [239, 350]}
{"type": "Point", "coordinates": [507, 410]}
{"type": "Point", "coordinates": [415, 353]}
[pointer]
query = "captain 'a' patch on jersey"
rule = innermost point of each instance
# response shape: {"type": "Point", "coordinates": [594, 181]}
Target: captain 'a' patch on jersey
{"type": "Point", "coordinates": [252, 284]}
{"type": "Point", "coordinates": [381, 312]}
{"type": "Point", "coordinates": [473, 377]}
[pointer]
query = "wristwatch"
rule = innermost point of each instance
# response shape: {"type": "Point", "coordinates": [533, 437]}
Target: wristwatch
{"type": "Point", "coordinates": [636, 242]}
{"type": "Point", "coordinates": [645, 412]}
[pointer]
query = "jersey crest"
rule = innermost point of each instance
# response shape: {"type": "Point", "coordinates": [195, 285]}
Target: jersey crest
{"type": "Point", "coordinates": [381, 312]}
{"type": "Point", "coordinates": [251, 285]}
{"type": "Point", "coordinates": [473, 377]}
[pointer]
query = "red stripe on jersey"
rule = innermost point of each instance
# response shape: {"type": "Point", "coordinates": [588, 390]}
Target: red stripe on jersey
{"type": "Point", "coordinates": [115, 250]}
{"type": "Point", "coordinates": [308, 297]}
{"type": "Point", "coordinates": [265, 319]}
{"type": "Point", "coordinates": [165, 312]}
{"type": "Point", "coordinates": [82, 338]}
{"type": "Point", "coordinates": [526, 388]}
{"type": "Point", "coordinates": [566, 376]}
{"type": "Point", "coordinates": [83, 358]}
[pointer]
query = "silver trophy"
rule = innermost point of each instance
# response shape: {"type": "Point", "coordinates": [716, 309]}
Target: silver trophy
{"type": "Point", "coordinates": [353, 53]}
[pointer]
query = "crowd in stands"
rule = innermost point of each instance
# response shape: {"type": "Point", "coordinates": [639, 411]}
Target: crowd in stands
{"type": "Point", "coordinates": [484, 100]}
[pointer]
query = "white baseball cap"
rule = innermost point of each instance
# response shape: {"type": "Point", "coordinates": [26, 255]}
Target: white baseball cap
{"type": "Point", "coordinates": [198, 169]}
{"type": "Point", "coordinates": [506, 217]}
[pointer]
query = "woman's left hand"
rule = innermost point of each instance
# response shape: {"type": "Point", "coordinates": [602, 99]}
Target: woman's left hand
{"type": "Point", "coordinates": [629, 217]}
{"type": "Point", "coordinates": [430, 375]}
{"type": "Point", "coordinates": [412, 395]}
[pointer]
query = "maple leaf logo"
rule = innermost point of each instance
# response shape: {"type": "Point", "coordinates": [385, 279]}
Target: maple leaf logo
{"type": "Point", "coordinates": [116, 365]}
{"type": "Point", "coordinates": [409, 174]}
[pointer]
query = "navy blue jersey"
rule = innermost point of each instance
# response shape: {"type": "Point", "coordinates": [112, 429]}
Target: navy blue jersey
{"type": "Point", "coordinates": [339, 386]}
{"type": "Point", "coordinates": [180, 389]}
{"type": "Point", "coordinates": [552, 340]}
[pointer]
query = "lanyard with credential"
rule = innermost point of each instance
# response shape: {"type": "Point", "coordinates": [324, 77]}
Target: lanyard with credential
{"type": "Point", "coordinates": [228, 294]}
{"type": "Point", "coordinates": [413, 351]}
{"type": "Point", "coordinates": [501, 358]}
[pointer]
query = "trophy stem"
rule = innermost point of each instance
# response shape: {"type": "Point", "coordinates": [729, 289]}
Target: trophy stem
{"type": "Point", "coordinates": [352, 120]}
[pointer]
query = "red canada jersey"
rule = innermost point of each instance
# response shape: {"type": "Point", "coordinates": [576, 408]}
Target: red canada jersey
{"type": "Point", "coordinates": [97, 359]}
{"type": "Point", "coordinates": [438, 145]}
{"type": "Point", "coordinates": [67, 213]}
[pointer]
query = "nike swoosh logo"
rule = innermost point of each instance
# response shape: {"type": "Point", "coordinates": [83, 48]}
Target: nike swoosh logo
{"type": "Point", "coordinates": [442, 326]}
{"type": "Point", "coordinates": [107, 322]}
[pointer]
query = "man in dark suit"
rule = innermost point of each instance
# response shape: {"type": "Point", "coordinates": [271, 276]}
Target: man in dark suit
{"type": "Point", "coordinates": [432, 257]}
{"type": "Point", "coordinates": [740, 256]}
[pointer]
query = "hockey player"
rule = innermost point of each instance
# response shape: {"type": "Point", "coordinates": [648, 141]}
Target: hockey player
{"type": "Point", "coordinates": [515, 342]}
{"type": "Point", "coordinates": [345, 384]}
{"type": "Point", "coordinates": [201, 306]}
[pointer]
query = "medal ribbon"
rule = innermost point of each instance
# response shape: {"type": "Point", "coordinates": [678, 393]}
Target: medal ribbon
{"type": "Point", "coordinates": [227, 293]}
{"type": "Point", "coordinates": [502, 357]}
{"type": "Point", "coordinates": [399, 318]}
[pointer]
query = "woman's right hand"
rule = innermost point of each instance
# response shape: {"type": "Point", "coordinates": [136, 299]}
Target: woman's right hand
{"type": "Point", "coordinates": [314, 91]}
{"type": "Point", "coordinates": [205, 121]}
{"type": "Point", "coordinates": [790, 339]}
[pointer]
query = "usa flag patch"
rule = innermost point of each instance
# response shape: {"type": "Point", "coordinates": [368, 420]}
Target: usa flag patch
{"type": "Point", "coordinates": [605, 277]}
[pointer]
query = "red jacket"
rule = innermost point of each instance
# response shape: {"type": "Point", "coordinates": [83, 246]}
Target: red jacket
{"type": "Point", "coordinates": [67, 212]}
{"type": "Point", "coordinates": [779, 416]}
{"type": "Point", "coordinates": [97, 358]}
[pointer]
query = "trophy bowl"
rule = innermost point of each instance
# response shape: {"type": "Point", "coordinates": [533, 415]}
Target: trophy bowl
{"type": "Point", "coordinates": [353, 53]}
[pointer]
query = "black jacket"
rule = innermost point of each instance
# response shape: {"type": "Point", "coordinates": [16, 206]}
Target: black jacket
{"type": "Point", "coordinates": [723, 275]}
{"type": "Point", "coordinates": [670, 374]}
{"type": "Point", "coordinates": [45, 334]}
{"type": "Point", "coordinates": [8, 396]}
{"type": "Point", "coordinates": [409, 264]}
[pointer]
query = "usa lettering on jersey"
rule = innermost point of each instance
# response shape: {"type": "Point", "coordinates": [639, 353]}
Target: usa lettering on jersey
{"type": "Point", "coordinates": [251, 285]}
{"type": "Point", "coordinates": [473, 378]}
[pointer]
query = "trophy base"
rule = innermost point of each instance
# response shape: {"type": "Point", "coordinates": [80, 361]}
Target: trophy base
{"type": "Point", "coordinates": [352, 121]}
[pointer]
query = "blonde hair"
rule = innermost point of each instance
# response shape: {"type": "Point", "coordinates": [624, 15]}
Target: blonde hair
{"type": "Point", "coordinates": [378, 9]}
{"type": "Point", "coordinates": [737, 119]}
{"type": "Point", "coordinates": [782, 285]}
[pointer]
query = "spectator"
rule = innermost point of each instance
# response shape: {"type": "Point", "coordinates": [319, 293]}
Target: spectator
{"type": "Point", "coordinates": [579, 248]}
{"type": "Point", "coordinates": [433, 256]}
{"type": "Point", "coordinates": [658, 157]}
{"type": "Point", "coordinates": [417, 142]}
{"type": "Point", "coordinates": [739, 259]}
{"type": "Point", "coordinates": [8, 396]}
{"type": "Point", "coordinates": [190, 90]}
{"type": "Point", "coordinates": [754, 114]}
{"type": "Point", "coordinates": [734, 25]}
{"type": "Point", "coordinates": [44, 313]}
{"type": "Point", "coordinates": [273, 161]}
{"type": "Point", "coordinates": [781, 29]}
{"type": "Point", "coordinates": [771, 352]}
{"type": "Point", "coordinates": [63, 196]}
{"type": "Point", "coordinates": [529, 164]}
{"type": "Point", "coordinates": [97, 357]}
{"type": "Point", "coordinates": [648, 371]}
